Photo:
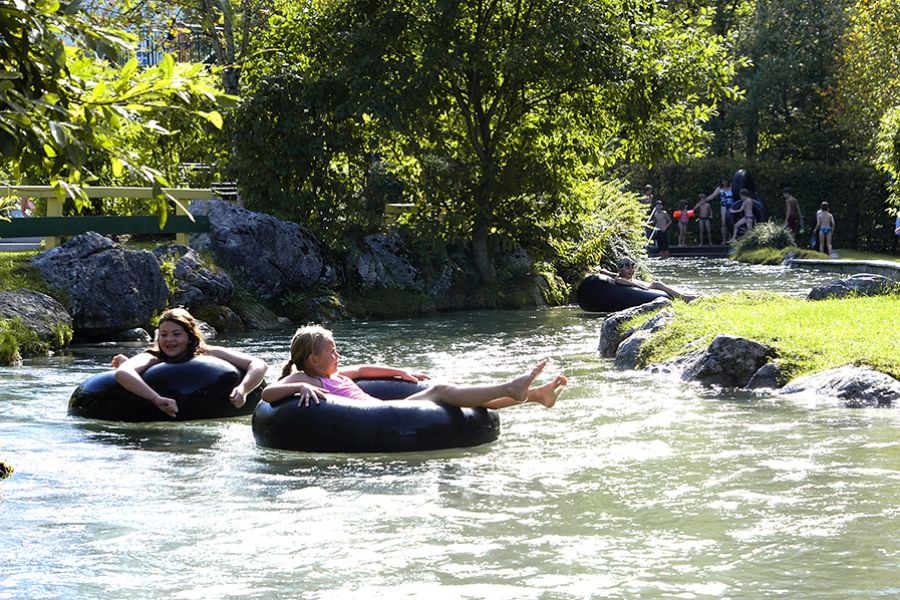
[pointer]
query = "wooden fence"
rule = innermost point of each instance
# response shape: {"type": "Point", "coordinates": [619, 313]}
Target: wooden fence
{"type": "Point", "coordinates": [54, 225]}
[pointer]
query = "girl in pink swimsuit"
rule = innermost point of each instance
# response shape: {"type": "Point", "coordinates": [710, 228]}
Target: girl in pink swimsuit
{"type": "Point", "coordinates": [312, 372]}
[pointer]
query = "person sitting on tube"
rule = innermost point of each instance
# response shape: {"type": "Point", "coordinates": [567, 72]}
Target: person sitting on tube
{"type": "Point", "coordinates": [179, 339]}
{"type": "Point", "coordinates": [625, 277]}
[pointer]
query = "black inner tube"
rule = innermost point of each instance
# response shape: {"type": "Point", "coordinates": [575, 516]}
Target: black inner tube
{"type": "Point", "coordinates": [200, 386]}
{"type": "Point", "coordinates": [341, 424]}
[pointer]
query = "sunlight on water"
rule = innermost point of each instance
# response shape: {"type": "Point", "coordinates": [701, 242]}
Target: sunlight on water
{"type": "Point", "coordinates": [632, 487]}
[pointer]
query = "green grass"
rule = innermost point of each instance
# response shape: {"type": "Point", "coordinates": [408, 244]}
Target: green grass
{"type": "Point", "coordinates": [775, 256]}
{"type": "Point", "coordinates": [808, 336]}
{"type": "Point", "coordinates": [863, 255]}
{"type": "Point", "coordinates": [16, 273]}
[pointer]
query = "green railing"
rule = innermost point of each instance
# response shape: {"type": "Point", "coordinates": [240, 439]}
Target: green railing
{"type": "Point", "coordinates": [54, 225]}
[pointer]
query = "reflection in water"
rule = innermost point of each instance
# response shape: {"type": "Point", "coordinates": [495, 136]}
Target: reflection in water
{"type": "Point", "coordinates": [634, 486]}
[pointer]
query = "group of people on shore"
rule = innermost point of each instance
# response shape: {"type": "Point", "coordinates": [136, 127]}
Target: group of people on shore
{"type": "Point", "coordinates": [312, 371]}
{"type": "Point", "coordinates": [736, 214]}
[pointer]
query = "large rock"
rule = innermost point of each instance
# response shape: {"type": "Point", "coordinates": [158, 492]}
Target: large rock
{"type": "Point", "coordinates": [383, 262]}
{"type": "Point", "coordinates": [628, 352]}
{"type": "Point", "coordinates": [267, 254]}
{"type": "Point", "coordinates": [196, 283]}
{"type": "Point", "coordinates": [861, 284]}
{"type": "Point", "coordinates": [853, 387]}
{"type": "Point", "coordinates": [109, 288]}
{"type": "Point", "coordinates": [613, 330]}
{"type": "Point", "coordinates": [40, 313]}
{"type": "Point", "coordinates": [728, 361]}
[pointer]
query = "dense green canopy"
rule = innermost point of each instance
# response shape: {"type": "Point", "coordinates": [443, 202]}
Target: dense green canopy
{"type": "Point", "coordinates": [486, 113]}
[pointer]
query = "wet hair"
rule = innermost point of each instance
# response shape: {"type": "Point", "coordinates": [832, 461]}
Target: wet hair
{"type": "Point", "coordinates": [824, 206]}
{"type": "Point", "coordinates": [648, 188]}
{"type": "Point", "coordinates": [306, 341]}
{"type": "Point", "coordinates": [745, 192]}
{"type": "Point", "coordinates": [786, 190]}
{"type": "Point", "coordinates": [184, 319]}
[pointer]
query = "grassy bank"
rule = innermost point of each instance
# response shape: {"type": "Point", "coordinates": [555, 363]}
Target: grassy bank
{"type": "Point", "coordinates": [808, 336]}
{"type": "Point", "coordinates": [16, 273]}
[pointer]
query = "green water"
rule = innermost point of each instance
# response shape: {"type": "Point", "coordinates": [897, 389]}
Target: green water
{"type": "Point", "coordinates": [632, 487]}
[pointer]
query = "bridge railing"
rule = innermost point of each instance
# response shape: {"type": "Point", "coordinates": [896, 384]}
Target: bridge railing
{"type": "Point", "coordinates": [54, 225]}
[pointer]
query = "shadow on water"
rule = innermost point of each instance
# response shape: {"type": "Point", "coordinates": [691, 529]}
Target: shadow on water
{"type": "Point", "coordinates": [182, 438]}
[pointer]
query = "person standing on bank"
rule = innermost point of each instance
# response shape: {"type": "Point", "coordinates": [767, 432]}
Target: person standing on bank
{"type": "Point", "coordinates": [825, 225]}
{"type": "Point", "coordinates": [791, 212]}
{"type": "Point", "coordinates": [704, 214]}
{"type": "Point", "coordinates": [661, 222]}
{"type": "Point", "coordinates": [745, 207]}
{"type": "Point", "coordinates": [725, 194]}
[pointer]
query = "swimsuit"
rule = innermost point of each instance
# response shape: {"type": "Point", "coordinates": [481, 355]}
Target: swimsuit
{"type": "Point", "coordinates": [341, 385]}
{"type": "Point", "coordinates": [824, 230]}
{"type": "Point", "coordinates": [703, 218]}
{"type": "Point", "coordinates": [662, 240]}
{"type": "Point", "coordinates": [726, 198]}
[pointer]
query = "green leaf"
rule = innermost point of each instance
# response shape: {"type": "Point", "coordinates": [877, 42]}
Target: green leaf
{"type": "Point", "coordinates": [214, 117]}
{"type": "Point", "coordinates": [117, 166]}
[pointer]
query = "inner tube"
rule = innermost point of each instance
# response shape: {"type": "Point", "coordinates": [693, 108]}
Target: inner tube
{"type": "Point", "coordinates": [599, 293]}
{"type": "Point", "coordinates": [200, 386]}
{"type": "Point", "coordinates": [339, 424]}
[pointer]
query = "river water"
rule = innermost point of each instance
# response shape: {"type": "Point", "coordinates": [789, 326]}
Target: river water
{"type": "Point", "coordinates": [632, 487]}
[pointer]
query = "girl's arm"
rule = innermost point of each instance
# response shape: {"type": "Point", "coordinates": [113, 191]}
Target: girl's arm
{"type": "Point", "coordinates": [128, 375]}
{"type": "Point", "coordinates": [296, 383]}
{"type": "Point", "coordinates": [254, 372]}
{"type": "Point", "coordinates": [714, 193]}
{"type": "Point", "coordinates": [374, 371]}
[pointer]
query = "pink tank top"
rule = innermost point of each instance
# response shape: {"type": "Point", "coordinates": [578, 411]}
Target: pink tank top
{"type": "Point", "coordinates": [341, 385]}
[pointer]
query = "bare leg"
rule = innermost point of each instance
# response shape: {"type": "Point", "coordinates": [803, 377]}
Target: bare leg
{"type": "Point", "coordinates": [675, 293]}
{"type": "Point", "coordinates": [545, 395]}
{"type": "Point", "coordinates": [478, 395]}
{"type": "Point", "coordinates": [724, 212]}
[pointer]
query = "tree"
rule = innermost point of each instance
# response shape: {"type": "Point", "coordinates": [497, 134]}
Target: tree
{"type": "Point", "coordinates": [866, 98]}
{"type": "Point", "coordinates": [229, 29]}
{"type": "Point", "coordinates": [788, 81]}
{"type": "Point", "coordinates": [60, 100]}
{"type": "Point", "coordinates": [490, 110]}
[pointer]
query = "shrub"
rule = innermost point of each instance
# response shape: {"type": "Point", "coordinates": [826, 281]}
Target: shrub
{"type": "Point", "coordinates": [765, 235]}
{"type": "Point", "coordinates": [16, 340]}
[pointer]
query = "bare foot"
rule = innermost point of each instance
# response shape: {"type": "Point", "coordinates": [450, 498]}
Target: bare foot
{"type": "Point", "coordinates": [548, 394]}
{"type": "Point", "coordinates": [519, 386]}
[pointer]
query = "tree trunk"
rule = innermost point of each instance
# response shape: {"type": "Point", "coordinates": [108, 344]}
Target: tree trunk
{"type": "Point", "coordinates": [481, 253]}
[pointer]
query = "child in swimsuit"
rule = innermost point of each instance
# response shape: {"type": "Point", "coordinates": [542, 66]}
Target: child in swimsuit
{"type": "Point", "coordinates": [313, 371]}
{"type": "Point", "coordinates": [683, 219]}
{"type": "Point", "coordinates": [704, 214]}
{"type": "Point", "coordinates": [825, 224]}
{"type": "Point", "coordinates": [748, 219]}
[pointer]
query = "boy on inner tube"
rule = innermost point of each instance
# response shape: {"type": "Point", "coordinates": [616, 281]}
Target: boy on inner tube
{"type": "Point", "coordinates": [315, 357]}
{"type": "Point", "coordinates": [178, 339]}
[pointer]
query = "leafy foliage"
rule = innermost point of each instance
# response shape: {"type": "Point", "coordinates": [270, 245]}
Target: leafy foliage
{"type": "Point", "coordinates": [866, 97]}
{"type": "Point", "coordinates": [63, 96]}
{"type": "Point", "coordinates": [487, 114]}
{"type": "Point", "coordinates": [790, 75]}
{"type": "Point", "coordinates": [765, 235]}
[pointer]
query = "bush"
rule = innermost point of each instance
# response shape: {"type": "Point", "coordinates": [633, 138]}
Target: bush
{"type": "Point", "coordinates": [765, 235]}
{"type": "Point", "coordinates": [16, 340]}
